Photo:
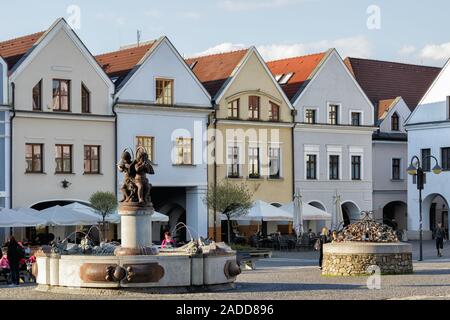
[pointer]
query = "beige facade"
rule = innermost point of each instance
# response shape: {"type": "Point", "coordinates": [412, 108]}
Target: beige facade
{"type": "Point", "coordinates": [275, 181]}
{"type": "Point", "coordinates": [59, 54]}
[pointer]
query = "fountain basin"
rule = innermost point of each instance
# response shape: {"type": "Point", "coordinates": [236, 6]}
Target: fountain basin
{"type": "Point", "coordinates": [355, 258]}
{"type": "Point", "coordinates": [161, 270]}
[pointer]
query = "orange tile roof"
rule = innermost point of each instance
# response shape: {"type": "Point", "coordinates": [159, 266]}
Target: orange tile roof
{"type": "Point", "coordinates": [120, 63]}
{"type": "Point", "coordinates": [301, 67]}
{"type": "Point", "coordinates": [214, 70]}
{"type": "Point", "coordinates": [383, 106]}
{"type": "Point", "coordinates": [14, 49]}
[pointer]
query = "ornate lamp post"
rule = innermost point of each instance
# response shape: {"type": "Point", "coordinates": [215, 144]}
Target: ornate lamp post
{"type": "Point", "coordinates": [415, 169]}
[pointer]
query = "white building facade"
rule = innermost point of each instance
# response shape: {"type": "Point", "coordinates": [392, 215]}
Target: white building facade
{"type": "Point", "coordinates": [333, 138]}
{"type": "Point", "coordinates": [4, 137]}
{"type": "Point", "coordinates": [428, 134]}
{"type": "Point", "coordinates": [161, 106]}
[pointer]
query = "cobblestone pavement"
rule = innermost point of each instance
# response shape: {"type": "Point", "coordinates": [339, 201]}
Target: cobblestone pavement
{"type": "Point", "coordinates": [287, 275]}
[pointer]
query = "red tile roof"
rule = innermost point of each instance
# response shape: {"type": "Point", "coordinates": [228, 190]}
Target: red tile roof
{"type": "Point", "coordinates": [384, 105]}
{"type": "Point", "coordinates": [14, 49]}
{"type": "Point", "coordinates": [301, 67]}
{"type": "Point", "coordinates": [383, 80]}
{"type": "Point", "coordinates": [214, 70]}
{"type": "Point", "coordinates": [120, 63]}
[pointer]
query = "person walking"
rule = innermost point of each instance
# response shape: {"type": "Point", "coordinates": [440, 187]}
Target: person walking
{"type": "Point", "coordinates": [323, 239]}
{"type": "Point", "coordinates": [15, 254]}
{"type": "Point", "coordinates": [439, 234]}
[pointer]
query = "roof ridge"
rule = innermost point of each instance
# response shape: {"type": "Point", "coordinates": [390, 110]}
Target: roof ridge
{"type": "Point", "coordinates": [148, 43]}
{"type": "Point", "coordinates": [22, 37]}
{"type": "Point", "coordinates": [218, 53]}
{"type": "Point", "coordinates": [296, 57]}
{"type": "Point", "coordinates": [394, 62]}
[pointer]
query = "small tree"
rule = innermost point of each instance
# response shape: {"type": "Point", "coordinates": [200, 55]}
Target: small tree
{"type": "Point", "coordinates": [104, 203]}
{"type": "Point", "coordinates": [230, 199]}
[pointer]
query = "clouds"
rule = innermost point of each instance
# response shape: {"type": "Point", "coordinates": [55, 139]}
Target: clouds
{"type": "Point", "coordinates": [357, 46]}
{"type": "Point", "coordinates": [430, 54]}
{"type": "Point", "coordinates": [246, 5]}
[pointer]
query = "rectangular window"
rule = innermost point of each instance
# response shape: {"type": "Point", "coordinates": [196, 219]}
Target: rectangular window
{"type": "Point", "coordinates": [396, 169]}
{"type": "Point", "coordinates": [310, 116]}
{"type": "Point", "coordinates": [356, 167]}
{"type": "Point", "coordinates": [253, 107]}
{"type": "Point", "coordinates": [91, 159]}
{"type": "Point", "coordinates": [274, 112]}
{"type": "Point", "coordinates": [274, 163]}
{"type": "Point", "coordinates": [233, 162]}
{"type": "Point", "coordinates": [356, 119]}
{"type": "Point", "coordinates": [311, 167]}
{"type": "Point", "coordinates": [85, 99]}
{"type": "Point", "coordinates": [333, 114]}
{"type": "Point", "coordinates": [233, 109]}
{"type": "Point", "coordinates": [164, 91]}
{"type": "Point", "coordinates": [184, 151]}
{"type": "Point", "coordinates": [61, 95]}
{"type": "Point", "coordinates": [63, 158]}
{"type": "Point", "coordinates": [395, 122]}
{"type": "Point", "coordinates": [426, 161]}
{"type": "Point", "coordinates": [33, 157]}
{"type": "Point", "coordinates": [37, 96]}
{"type": "Point", "coordinates": [147, 143]}
{"type": "Point", "coordinates": [334, 167]}
{"type": "Point", "coordinates": [445, 154]}
{"type": "Point", "coordinates": [253, 162]}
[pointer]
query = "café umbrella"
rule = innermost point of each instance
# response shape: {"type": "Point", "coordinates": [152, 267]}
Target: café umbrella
{"type": "Point", "coordinates": [298, 214]}
{"type": "Point", "coordinates": [12, 218]}
{"type": "Point", "coordinates": [60, 216]}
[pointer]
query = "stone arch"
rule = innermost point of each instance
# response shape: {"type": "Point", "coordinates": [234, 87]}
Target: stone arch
{"type": "Point", "coordinates": [317, 204]}
{"type": "Point", "coordinates": [317, 226]}
{"type": "Point", "coordinates": [276, 204]}
{"type": "Point", "coordinates": [435, 209]}
{"type": "Point", "coordinates": [177, 214]}
{"type": "Point", "coordinates": [395, 215]}
{"type": "Point", "coordinates": [41, 205]}
{"type": "Point", "coordinates": [351, 212]}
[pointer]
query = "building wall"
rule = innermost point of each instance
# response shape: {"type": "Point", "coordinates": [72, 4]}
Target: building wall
{"type": "Point", "coordinates": [3, 82]}
{"type": "Point", "coordinates": [333, 84]}
{"type": "Point", "coordinates": [61, 57]}
{"type": "Point", "coordinates": [4, 138]}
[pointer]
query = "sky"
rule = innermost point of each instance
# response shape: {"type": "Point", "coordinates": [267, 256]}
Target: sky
{"type": "Point", "coordinates": [409, 31]}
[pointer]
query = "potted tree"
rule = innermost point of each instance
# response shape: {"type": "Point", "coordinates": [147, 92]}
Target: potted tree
{"type": "Point", "coordinates": [104, 203]}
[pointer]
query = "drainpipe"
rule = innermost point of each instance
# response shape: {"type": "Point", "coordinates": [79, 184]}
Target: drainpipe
{"type": "Point", "coordinates": [294, 113]}
{"type": "Point", "coordinates": [13, 115]}
{"type": "Point", "coordinates": [215, 168]}
{"type": "Point", "coordinates": [115, 144]}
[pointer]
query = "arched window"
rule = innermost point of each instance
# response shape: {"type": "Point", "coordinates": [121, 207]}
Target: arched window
{"type": "Point", "coordinates": [395, 122]}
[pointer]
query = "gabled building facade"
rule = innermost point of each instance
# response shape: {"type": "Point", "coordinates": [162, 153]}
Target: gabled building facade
{"type": "Point", "coordinates": [252, 130]}
{"type": "Point", "coordinates": [428, 130]}
{"type": "Point", "coordinates": [163, 107]}
{"type": "Point", "coordinates": [62, 123]}
{"type": "Point", "coordinates": [395, 90]}
{"type": "Point", "coordinates": [332, 133]}
{"type": "Point", "coordinates": [5, 143]}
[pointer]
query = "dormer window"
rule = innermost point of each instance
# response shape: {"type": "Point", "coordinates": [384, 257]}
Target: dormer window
{"type": "Point", "coordinates": [85, 99]}
{"type": "Point", "coordinates": [164, 91]}
{"type": "Point", "coordinates": [253, 107]}
{"type": "Point", "coordinates": [61, 95]}
{"type": "Point", "coordinates": [274, 112]}
{"type": "Point", "coordinates": [395, 122]}
{"type": "Point", "coordinates": [37, 96]}
{"type": "Point", "coordinates": [285, 79]}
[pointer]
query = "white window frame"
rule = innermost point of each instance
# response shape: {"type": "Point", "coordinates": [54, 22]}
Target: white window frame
{"type": "Point", "coordinates": [260, 168]}
{"type": "Point", "coordinates": [339, 104]}
{"type": "Point", "coordinates": [361, 114]}
{"type": "Point", "coordinates": [311, 150]}
{"type": "Point", "coordinates": [334, 151]}
{"type": "Point", "coordinates": [273, 146]}
{"type": "Point", "coordinates": [173, 89]}
{"type": "Point", "coordinates": [311, 108]}
{"type": "Point", "coordinates": [356, 151]}
{"type": "Point", "coordinates": [240, 157]}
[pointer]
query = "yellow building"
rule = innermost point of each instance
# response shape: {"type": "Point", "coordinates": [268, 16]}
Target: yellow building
{"type": "Point", "coordinates": [253, 118]}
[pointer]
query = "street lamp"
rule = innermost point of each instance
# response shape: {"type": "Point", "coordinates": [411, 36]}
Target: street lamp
{"type": "Point", "coordinates": [415, 169]}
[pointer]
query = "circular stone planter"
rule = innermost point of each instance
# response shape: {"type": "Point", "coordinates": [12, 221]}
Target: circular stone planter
{"type": "Point", "coordinates": [355, 258]}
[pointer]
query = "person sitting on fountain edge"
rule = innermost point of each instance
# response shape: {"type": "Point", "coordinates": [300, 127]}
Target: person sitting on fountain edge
{"type": "Point", "coordinates": [168, 241]}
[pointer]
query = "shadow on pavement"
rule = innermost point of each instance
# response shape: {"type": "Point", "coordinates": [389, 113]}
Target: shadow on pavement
{"type": "Point", "coordinates": [273, 287]}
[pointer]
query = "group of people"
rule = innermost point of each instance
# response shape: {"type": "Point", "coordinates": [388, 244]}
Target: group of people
{"type": "Point", "coordinates": [13, 257]}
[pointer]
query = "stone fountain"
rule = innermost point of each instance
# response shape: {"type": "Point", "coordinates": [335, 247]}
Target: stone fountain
{"type": "Point", "coordinates": [136, 262]}
{"type": "Point", "coordinates": [365, 244]}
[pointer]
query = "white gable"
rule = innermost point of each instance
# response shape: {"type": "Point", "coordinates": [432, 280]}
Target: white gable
{"type": "Point", "coordinates": [401, 109]}
{"type": "Point", "coordinates": [433, 106]}
{"type": "Point", "coordinates": [165, 62]}
{"type": "Point", "coordinates": [334, 84]}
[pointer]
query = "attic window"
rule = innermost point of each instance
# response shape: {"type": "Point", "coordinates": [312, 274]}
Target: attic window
{"type": "Point", "coordinates": [285, 79]}
{"type": "Point", "coordinates": [193, 64]}
{"type": "Point", "coordinates": [278, 77]}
